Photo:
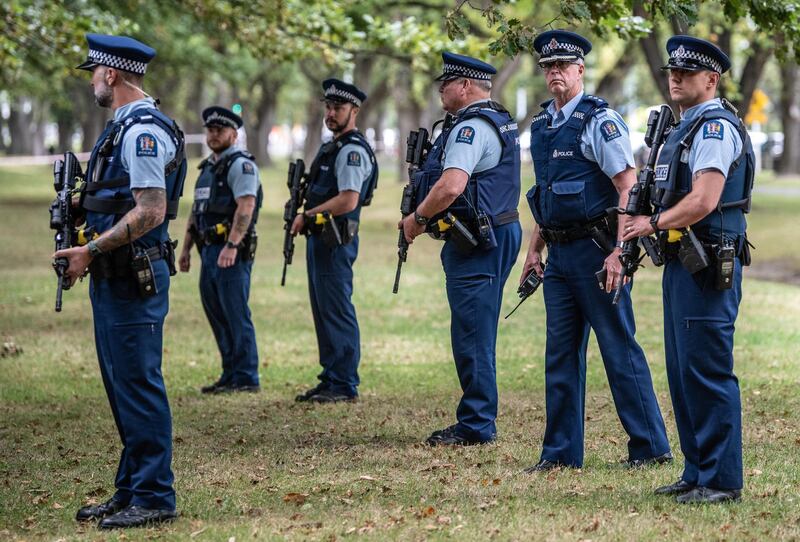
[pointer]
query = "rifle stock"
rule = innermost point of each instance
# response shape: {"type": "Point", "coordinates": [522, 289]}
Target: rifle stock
{"type": "Point", "coordinates": [659, 125]}
{"type": "Point", "coordinates": [417, 146]}
{"type": "Point", "coordinates": [297, 184]}
{"type": "Point", "coordinates": [66, 174]}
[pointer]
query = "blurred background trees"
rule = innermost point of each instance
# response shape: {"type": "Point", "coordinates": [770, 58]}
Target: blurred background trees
{"type": "Point", "coordinates": [269, 57]}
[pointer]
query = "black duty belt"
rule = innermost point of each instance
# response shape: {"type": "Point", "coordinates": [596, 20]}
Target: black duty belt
{"type": "Point", "coordinates": [117, 263]}
{"type": "Point", "coordinates": [505, 218]}
{"type": "Point", "coordinates": [573, 233]}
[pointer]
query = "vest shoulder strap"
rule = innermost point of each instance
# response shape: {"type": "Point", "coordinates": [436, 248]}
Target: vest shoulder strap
{"type": "Point", "coordinates": [222, 168]}
{"type": "Point", "coordinates": [728, 113]}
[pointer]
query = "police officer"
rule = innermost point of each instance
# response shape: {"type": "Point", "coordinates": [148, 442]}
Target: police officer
{"type": "Point", "coordinates": [227, 198]}
{"type": "Point", "coordinates": [134, 179]}
{"type": "Point", "coordinates": [584, 165]}
{"type": "Point", "coordinates": [704, 177]}
{"type": "Point", "coordinates": [341, 180]}
{"type": "Point", "coordinates": [472, 173]}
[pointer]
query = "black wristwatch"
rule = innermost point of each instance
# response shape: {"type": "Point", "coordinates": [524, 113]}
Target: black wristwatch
{"type": "Point", "coordinates": [654, 222]}
{"type": "Point", "coordinates": [228, 244]}
{"type": "Point", "coordinates": [419, 219]}
{"type": "Point", "coordinates": [94, 250]}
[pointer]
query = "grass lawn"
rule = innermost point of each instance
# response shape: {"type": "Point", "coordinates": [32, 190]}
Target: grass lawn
{"type": "Point", "coordinates": [263, 467]}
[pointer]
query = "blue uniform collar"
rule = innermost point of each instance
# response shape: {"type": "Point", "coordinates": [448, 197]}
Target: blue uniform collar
{"type": "Point", "coordinates": [473, 104]}
{"type": "Point", "coordinates": [697, 110]}
{"type": "Point", "coordinates": [130, 107]}
{"type": "Point", "coordinates": [566, 111]}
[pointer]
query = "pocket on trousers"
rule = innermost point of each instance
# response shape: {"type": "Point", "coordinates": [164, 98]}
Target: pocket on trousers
{"type": "Point", "coordinates": [137, 349]}
{"type": "Point", "coordinates": [710, 337]}
{"type": "Point", "coordinates": [568, 201]}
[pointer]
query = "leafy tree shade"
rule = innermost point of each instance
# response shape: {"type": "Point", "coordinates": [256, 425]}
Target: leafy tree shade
{"type": "Point", "coordinates": [517, 24]}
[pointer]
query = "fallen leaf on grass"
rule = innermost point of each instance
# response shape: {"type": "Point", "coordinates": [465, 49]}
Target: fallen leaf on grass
{"type": "Point", "coordinates": [57, 506]}
{"type": "Point", "coordinates": [438, 466]}
{"type": "Point", "coordinates": [197, 533]}
{"type": "Point", "coordinates": [296, 498]}
{"type": "Point", "coordinates": [368, 478]}
{"type": "Point", "coordinates": [754, 472]}
{"type": "Point", "coordinates": [593, 526]}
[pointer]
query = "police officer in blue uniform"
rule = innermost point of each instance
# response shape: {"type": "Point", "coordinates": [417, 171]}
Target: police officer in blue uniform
{"type": "Point", "coordinates": [472, 173]}
{"type": "Point", "coordinates": [584, 165]}
{"type": "Point", "coordinates": [341, 180]}
{"type": "Point", "coordinates": [134, 179]}
{"type": "Point", "coordinates": [704, 178]}
{"type": "Point", "coordinates": [227, 198]}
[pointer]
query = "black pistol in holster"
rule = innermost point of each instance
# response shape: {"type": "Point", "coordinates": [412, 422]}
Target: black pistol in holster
{"type": "Point", "coordinates": [659, 125]}
{"type": "Point", "coordinates": [690, 251]}
{"type": "Point", "coordinates": [297, 183]}
{"type": "Point", "coordinates": [417, 147]}
{"type": "Point", "coordinates": [449, 227]}
{"type": "Point", "coordinates": [67, 175]}
{"type": "Point", "coordinates": [527, 288]}
{"type": "Point", "coordinates": [326, 225]}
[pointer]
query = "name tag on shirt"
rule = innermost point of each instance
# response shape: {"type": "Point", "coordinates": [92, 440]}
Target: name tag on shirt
{"type": "Point", "coordinates": [202, 193]}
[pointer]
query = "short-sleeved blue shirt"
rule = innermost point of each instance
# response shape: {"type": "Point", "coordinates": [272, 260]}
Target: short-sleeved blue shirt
{"type": "Point", "coordinates": [472, 146]}
{"type": "Point", "coordinates": [146, 148]}
{"type": "Point", "coordinates": [243, 178]}
{"type": "Point", "coordinates": [605, 139]}
{"type": "Point", "coordinates": [353, 166]}
{"type": "Point", "coordinates": [716, 144]}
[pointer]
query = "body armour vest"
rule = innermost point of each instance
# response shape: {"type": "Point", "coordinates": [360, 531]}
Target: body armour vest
{"type": "Point", "coordinates": [494, 191]}
{"type": "Point", "coordinates": [107, 195]}
{"type": "Point", "coordinates": [570, 190]}
{"type": "Point", "coordinates": [322, 175]}
{"type": "Point", "coordinates": [674, 179]}
{"type": "Point", "coordinates": [213, 198]}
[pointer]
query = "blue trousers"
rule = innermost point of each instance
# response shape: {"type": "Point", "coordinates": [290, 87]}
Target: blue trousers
{"type": "Point", "coordinates": [574, 303]}
{"type": "Point", "coordinates": [225, 293]}
{"type": "Point", "coordinates": [475, 293]}
{"type": "Point", "coordinates": [698, 336]}
{"type": "Point", "coordinates": [330, 287]}
{"type": "Point", "coordinates": [128, 337]}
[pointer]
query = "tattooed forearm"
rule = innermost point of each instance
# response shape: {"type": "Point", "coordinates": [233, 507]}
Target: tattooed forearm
{"type": "Point", "coordinates": [245, 207]}
{"type": "Point", "coordinates": [150, 210]}
{"type": "Point", "coordinates": [241, 222]}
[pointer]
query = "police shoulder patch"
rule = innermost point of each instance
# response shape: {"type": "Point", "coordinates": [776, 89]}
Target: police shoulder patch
{"type": "Point", "coordinates": [466, 135]}
{"type": "Point", "coordinates": [713, 129]}
{"type": "Point", "coordinates": [353, 158]}
{"type": "Point", "coordinates": [146, 145]}
{"type": "Point", "coordinates": [610, 130]}
{"type": "Point", "coordinates": [248, 168]}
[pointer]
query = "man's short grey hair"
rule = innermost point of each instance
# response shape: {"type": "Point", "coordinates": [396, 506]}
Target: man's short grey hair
{"type": "Point", "coordinates": [482, 84]}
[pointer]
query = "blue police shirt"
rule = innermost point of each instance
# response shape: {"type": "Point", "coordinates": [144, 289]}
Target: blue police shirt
{"type": "Point", "coordinates": [243, 179]}
{"type": "Point", "coordinates": [716, 145]}
{"type": "Point", "coordinates": [604, 140]}
{"type": "Point", "coordinates": [352, 167]}
{"type": "Point", "coordinates": [472, 146]}
{"type": "Point", "coordinates": [146, 148]}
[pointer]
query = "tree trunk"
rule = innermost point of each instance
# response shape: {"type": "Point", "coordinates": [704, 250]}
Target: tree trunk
{"type": "Point", "coordinates": [265, 117]}
{"type": "Point", "coordinates": [409, 115]}
{"type": "Point", "coordinates": [751, 75]}
{"type": "Point", "coordinates": [654, 55]}
{"type": "Point", "coordinates": [610, 86]}
{"type": "Point", "coordinates": [789, 162]}
{"type": "Point", "coordinates": [500, 81]}
{"type": "Point", "coordinates": [19, 126]}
